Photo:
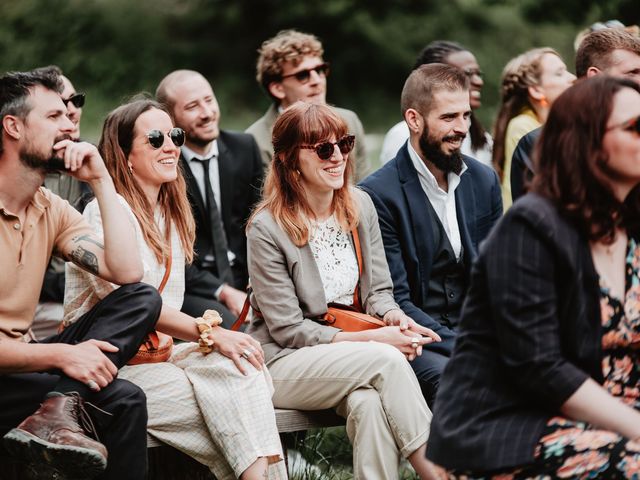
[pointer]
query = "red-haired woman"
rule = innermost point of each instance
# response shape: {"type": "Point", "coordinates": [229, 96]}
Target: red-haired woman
{"type": "Point", "coordinates": [217, 407]}
{"type": "Point", "coordinates": [544, 381]}
{"type": "Point", "coordinates": [301, 257]}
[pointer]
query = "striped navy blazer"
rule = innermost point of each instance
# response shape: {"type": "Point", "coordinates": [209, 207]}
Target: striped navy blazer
{"type": "Point", "coordinates": [530, 335]}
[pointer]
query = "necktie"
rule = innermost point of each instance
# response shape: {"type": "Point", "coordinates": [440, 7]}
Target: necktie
{"type": "Point", "coordinates": [219, 238]}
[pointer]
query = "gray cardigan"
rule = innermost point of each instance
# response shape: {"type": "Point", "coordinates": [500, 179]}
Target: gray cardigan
{"type": "Point", "coordinates": [287, 288]}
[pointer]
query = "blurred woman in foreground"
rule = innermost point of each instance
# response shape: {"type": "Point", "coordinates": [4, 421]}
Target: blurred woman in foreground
{"type": "Point", "coordinates": [544, 381]}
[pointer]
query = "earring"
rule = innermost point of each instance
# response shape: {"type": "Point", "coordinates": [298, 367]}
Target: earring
{"type": "Point", "coordinates": [297, 171]}
{"type": "Point", "coordinates": [544, 103]}
{"type": "Point", "coordinates": [130, 168]}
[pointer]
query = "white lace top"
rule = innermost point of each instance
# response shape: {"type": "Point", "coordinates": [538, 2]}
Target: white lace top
{"type": "Point", "coordinates": [336, 260]}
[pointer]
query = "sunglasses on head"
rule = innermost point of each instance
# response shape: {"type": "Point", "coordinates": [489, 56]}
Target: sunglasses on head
{"type": "Point", "coordinates": [156, 137]}
{"type": "Point", "coordinates": [325, 150]}
{"type": "Point", "coordinates": [303, 76]}
{"type": "Point", "coordinates": [632, 125]}
{"type": "Point", "coordinates": [77, 99]}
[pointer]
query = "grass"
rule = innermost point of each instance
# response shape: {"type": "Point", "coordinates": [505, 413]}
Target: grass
{"type": "Point", "coordinates": [326, 454]}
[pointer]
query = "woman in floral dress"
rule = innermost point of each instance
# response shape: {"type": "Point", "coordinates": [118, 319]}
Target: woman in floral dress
{"type": "Point", "coordinates": [543, 382]}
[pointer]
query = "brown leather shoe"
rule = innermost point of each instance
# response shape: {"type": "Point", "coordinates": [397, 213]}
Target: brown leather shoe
{"type": "Point", "coordinates": [55, 435]}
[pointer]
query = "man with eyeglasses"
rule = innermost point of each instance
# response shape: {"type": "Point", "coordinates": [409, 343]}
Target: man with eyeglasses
{"type": "Point", "coordinates": [50, 311]}
{"type": "Point", "coordinates": [291, 68]}
{"type": "Point", "coordinates": [610, 51]}
{"type": "Point", "coordinates": [223, 172]}
{"type": "Point", "coordinates": [435, 205]}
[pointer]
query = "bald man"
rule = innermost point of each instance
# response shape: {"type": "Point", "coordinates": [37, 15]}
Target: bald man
{"type": "Point", "coordinates": [223, 171]}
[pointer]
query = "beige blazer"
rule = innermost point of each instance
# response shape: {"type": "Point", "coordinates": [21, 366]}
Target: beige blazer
{"type": "Point", "coordinates": [287, 288]}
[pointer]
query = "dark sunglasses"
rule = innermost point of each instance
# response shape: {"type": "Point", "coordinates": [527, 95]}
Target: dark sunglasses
{"type": "Point", "coordinates": [156, 137]}
{"type": "Point", "coordinates": [77, 99]}
{"type": "Point", "coordinates": [303, 76]}
{"type": "Point", "coordinates": [632, 125]}
{"type": "Point", "coordinates": [325, 150]}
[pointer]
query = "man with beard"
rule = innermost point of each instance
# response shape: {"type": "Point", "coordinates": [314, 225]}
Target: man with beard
{"type": "Point", "coordinates": [223, 171]}
{"type": "Point", "coordinates": [57, 375]}
{"type": "Point", "coordinates": [434, 206]}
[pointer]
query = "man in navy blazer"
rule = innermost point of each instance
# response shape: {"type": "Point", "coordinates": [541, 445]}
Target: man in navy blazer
{"type": "Point", "coordinates": [434, 206]}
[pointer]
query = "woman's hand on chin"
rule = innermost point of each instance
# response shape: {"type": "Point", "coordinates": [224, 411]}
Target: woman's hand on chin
{"type": "Point", "coordinates": [238, 345]}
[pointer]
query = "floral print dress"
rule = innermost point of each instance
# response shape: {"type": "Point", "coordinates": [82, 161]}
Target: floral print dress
{"type": "Point", "coordinates": [575, 450]}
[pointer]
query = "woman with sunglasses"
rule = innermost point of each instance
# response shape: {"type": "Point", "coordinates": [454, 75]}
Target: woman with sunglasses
{"type": "Point", "coordinates": [301, 256]}
{"type": "Point", "coordinates": [216, 407]}
{"type": "Point", "coordinates": [544, 381]}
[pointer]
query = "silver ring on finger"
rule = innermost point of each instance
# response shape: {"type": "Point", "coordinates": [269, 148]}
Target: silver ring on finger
{"type": "Point", "coordinates": [246, 353]}
{"type": "Point", "coordinates": [93, 385]}
{"type": "Point", "coordinates": [414, 344]}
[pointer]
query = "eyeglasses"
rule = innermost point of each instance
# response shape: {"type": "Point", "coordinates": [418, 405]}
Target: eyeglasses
{"type": "Point", "coordinates": [632, 125]}
{"type": "Point", "coordinates": [77, 99]}
{"type": "Point", "coordinates": [325, 150]}
{"type": "Point", "coordinates": [156, 137]}
{"type": "Point", "coordinates": [303, 76]}
{"type": "Point", "coordinates": [473, 72]}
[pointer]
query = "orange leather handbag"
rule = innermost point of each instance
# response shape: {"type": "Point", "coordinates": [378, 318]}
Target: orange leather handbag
{"type": "Point", "coordinates": [348, 318]}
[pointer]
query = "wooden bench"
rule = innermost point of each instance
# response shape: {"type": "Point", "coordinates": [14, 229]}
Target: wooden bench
{"type": "Point", "coordinates": [166, 463]}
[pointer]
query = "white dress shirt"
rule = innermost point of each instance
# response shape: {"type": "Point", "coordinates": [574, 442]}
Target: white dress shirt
{"type": "Point", "coordinates": [214, 176]}
{"type": "Point", "coordinates": [444, 203]}
{"type": "Point", "coordinates": [198, 172]}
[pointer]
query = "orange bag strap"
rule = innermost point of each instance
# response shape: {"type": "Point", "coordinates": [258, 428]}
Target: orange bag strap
{"type": "Point", "coordinates": [243, 313]}
{"type": "Point", "coordinates": [152, 340]}
{"type": "Point", "coordinates": [356, 293]}
{"type": "Point", "coordinates": [167, 271]}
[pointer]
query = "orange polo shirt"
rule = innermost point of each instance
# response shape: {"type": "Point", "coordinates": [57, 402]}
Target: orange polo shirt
{"type": "Point", "coordinates": [50, 222]}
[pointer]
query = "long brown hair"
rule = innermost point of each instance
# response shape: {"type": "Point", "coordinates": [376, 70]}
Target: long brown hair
{"type": "Point", "coordinates": [115, 147]}
{"type": "Point", "coordinates": [571, 162]}
{"type": "Point", "coordinates": [519, 74]}
{"type": "Point", "coordinates": [283, 195]}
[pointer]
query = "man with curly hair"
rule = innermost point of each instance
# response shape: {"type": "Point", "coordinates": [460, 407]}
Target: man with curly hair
{"type": "Point", "coordinates": [291, 68]}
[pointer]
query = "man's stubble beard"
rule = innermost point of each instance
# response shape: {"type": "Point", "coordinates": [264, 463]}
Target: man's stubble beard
{"type": "Point", "coordinates": [44, 162]}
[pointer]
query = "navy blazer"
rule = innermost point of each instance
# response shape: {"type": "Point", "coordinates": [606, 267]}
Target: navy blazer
{"type": "Point", "coordinates": [529, 337]}
{"type": "Point", "coordinates": [405, 224]}
{"type": "Point", "coordinates": [240, 171]}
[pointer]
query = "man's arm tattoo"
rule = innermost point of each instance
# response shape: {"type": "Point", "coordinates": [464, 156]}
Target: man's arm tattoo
{"type": "Point", "coordinates": [86, 259]}
{"type": "Point", "coordinates": [88, 238]}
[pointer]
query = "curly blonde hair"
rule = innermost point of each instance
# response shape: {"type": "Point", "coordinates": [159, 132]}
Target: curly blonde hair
{"type": "Point", "coordinates": [519, 74]}
{"type": "Point", "coordinates": [287, 46]}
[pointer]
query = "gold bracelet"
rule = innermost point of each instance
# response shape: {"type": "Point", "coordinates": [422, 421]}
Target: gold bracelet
{"type": "Point", "coordinates": [206, 324]}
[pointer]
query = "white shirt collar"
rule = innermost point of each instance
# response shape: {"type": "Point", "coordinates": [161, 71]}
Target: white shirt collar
{"type": "Point", "coordinates": [452, 178]}
{"type": "Point", "coordinates": [189, 154]}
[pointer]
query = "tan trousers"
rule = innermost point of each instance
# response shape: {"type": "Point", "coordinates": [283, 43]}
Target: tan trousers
{"type": "Point", "coordinates": [371, 385]}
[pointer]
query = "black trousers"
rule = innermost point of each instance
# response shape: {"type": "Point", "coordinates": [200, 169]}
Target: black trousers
{"type": "Point", "coordinates": [429, 366]}
{"type": "Point", "coordinates": [122, 318]}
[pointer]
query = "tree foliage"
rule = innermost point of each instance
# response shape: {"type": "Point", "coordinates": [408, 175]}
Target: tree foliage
{"type": "Point", "coordinates": [114, 48]}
